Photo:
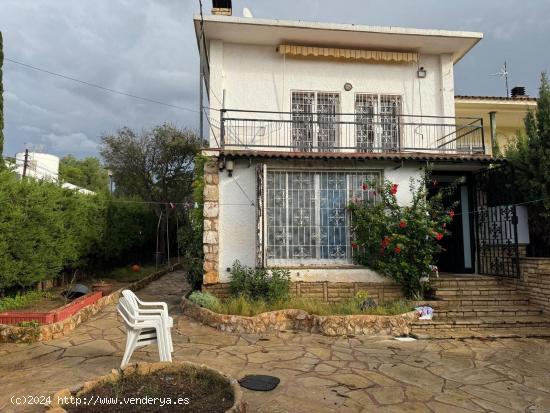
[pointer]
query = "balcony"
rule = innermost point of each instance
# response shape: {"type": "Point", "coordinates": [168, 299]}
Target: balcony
{"type": "Point", "coordinates": [350, 133]}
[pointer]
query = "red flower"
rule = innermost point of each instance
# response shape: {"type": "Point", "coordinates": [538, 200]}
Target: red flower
{"type": "Point", "coordinates": [397, 249]}
{"type": "Point", "coordinates": [385, 242]}
{"type": "Point", "coordinates": [365, 187]}
{"type": "Point", "coordinates": [402, 224]}
{"type": "Point", "coordinates": [353, 245]}
{"type": "Point", "coordinates": [439, 236]}
{"type": "Point", "coordinates": [393, 189]}
{"type": "Point", "coordinates": [452, 214]}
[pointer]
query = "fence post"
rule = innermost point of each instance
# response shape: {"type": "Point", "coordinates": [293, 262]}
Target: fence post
{"type": "Point", "coordinates": [482, 136]}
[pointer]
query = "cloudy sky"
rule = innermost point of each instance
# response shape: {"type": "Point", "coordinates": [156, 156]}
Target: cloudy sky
{"type": "Point", "coordinates": [147, 48]}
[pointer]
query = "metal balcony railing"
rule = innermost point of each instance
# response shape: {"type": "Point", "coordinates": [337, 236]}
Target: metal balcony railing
{"type": "Point", "coordinates": [343, 132]}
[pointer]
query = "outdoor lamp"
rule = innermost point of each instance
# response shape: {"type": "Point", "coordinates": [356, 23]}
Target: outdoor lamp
{"type": "Point", "coordinates": [421, 73]}
{"type": "Point", "coordinates": [229, 165]}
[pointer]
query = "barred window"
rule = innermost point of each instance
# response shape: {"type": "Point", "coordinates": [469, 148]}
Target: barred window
{"type": "Point", "coordinates": [307, 216]}
{"type": "Point", "coordinates": [378, 122]}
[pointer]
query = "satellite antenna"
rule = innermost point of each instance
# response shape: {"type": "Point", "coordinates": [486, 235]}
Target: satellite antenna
{"type": "Point", "coordinates": [503, 74]}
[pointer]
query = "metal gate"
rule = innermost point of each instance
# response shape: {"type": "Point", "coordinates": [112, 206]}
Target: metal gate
{"type": "Point", "coordinates": [496, 223]}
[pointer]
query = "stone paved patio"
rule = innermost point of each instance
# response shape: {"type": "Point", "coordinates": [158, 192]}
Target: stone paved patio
{"type": "Point", "coordinates": [318, 374]}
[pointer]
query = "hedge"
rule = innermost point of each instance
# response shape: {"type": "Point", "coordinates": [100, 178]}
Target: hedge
{"type": "Point", "coordinates": [45, 229]}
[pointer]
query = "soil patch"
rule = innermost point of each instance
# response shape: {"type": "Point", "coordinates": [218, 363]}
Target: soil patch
{"type": "Point", "coordinates": [189, 390]}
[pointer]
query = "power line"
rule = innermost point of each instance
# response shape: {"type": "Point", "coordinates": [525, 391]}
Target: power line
{"type": "Point", "coordinates": [106, 89]}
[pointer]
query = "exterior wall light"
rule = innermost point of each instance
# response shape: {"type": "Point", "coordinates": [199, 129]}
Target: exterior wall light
{"type": "Point", "coordinates": [421, 73]}
{"type": "Point", "coordinates": [229, 166]}
{"type": "Point", "coordinates": [348, 86]}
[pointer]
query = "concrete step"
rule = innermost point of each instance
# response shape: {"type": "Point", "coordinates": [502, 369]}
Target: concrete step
{"type": "Point", "coordinates": [482, 333]}
{"type": "Point", "coordinates": [477, 323]}
{"type": "Point", "coordinates": [461, 282]}
{"type": "Point", "coordinates": [479, 291]}
{"type": "Point", "coordinates": [486, 311]}
{"type": "Point", "coordinates": [477, 301]}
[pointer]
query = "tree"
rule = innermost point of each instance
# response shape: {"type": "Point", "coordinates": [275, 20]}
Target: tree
{"type": "Point", "coordinates": [1, 101]}
{"type": "Point", "coordinates": [156, 166]}
{"type": "Point", "coordinates": [530, 159]}
{"type": "Point", "coordinates": [87, 173]}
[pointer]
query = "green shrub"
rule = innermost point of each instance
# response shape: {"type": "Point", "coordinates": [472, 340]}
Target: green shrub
{"type": "Point", "coordinates": [401, 242]}
{"type": "Point", "coordinates": [23, 299]}
{"type": "Point", "coordinates": [205, 300]}
{"type": "Point", "coordinates": [245, 306]}
{"type": "Point", "coordinates": [259, 283]}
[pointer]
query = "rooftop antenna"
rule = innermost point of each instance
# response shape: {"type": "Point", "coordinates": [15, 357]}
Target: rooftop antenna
{"type": "Point", "coordinates": [503, 73]}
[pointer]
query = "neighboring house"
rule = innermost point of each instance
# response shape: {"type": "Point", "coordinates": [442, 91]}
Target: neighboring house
{"type": "Point", "coordinates": [502, 117]}
{"type": "Point", "coordinates": [45, 167]}
{"type": "Point", "coordinates": [303, 113]}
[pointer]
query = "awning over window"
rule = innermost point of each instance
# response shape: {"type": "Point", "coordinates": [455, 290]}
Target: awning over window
{"type": "Point", "coordinates": [347, 54]}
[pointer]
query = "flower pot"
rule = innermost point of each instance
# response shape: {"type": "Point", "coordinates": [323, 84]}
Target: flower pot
{"type": "Point", "coordinates": [105, 289]}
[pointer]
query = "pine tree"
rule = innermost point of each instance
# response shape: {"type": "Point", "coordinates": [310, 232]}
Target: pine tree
{"type": "Point", "coordinates": [1, 102]}
{"type": "Point", "coordinates": [530, 158]}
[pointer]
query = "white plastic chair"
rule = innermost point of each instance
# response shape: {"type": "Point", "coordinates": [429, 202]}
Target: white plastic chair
{"type": "Point", "coordinates": [148, 307]}
{"type": "Point", "coordinates": [143, 329]}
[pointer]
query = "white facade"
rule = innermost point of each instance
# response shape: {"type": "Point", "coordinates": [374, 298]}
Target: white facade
{"type": "Point", "coordinates": [247, 76]}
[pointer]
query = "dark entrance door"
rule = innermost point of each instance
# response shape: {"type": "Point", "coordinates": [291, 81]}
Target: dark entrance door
{"type": "Point", "coordinates": [457, 253]}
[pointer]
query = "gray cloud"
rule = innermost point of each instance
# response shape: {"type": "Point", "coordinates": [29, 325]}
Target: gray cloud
{"type": "Point", "coordinates": [147, 48]}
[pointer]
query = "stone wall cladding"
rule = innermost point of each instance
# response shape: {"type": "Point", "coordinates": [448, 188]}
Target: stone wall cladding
{"type": "Point", "coordinates": [46, 332]}
{"type": "Point", "coordinates": [326, 291]}
{"type": "Point", "coordinates": [239, 406]}
{"type": "Point", "coordinates": [211, 222]}
{"type": "Point", "coordinates": [273, 321]}
{"type": "Point", "coordinates": [535, 281]}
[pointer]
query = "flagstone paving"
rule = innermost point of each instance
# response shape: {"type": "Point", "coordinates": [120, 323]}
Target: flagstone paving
{"type": "Point", "coordinates": [318, 373]}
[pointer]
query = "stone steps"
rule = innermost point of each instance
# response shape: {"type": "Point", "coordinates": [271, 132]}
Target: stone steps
{"type": "Point", "coordinates": [478, 301]}
{"type": "Point", "coordinates": [486, 311]}
{"type": "Point", "coordinates": [480, 291]}
{"type": "Point", "coordinates": [484, 333]}
{"type": "Point", "coordinates": [480, 327]}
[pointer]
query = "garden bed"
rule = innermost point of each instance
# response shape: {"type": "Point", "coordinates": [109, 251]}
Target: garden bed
{"type": "Point", "coordinates": [52, 316]}
{"type": "Point", "coordinates": [189, 387]}
{"type": "Point", "coordinates": [31, 331]}
{"type": "Point", "coordinates": [296, 319]}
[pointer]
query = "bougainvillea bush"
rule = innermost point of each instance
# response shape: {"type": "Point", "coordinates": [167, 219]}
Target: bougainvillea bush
{"type": "Point", "coordinates": [400, 242]}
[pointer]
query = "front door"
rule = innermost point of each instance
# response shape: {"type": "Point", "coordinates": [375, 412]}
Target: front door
{"type": "Point", "coordinates": [457, 255]}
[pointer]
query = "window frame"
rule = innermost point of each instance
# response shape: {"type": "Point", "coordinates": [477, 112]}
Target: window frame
{"type": "Point", "coordinates": [311, 262]}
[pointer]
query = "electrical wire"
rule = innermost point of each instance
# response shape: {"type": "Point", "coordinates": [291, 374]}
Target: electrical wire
{"type": "Point", "coordinates": [105, 89]}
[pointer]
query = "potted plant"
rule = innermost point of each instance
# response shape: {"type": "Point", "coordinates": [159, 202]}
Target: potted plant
{"type": "Point", "coordinates": [102, 286]}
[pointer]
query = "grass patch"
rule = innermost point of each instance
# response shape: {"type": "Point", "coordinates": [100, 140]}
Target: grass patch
{"type": "Point", "coordinates": [205, 391]}
{"type": "Point", "coordinates": [244, 306]}
{"type": "Point", "coordinates": [126, 274]}
{"type": "Point", "coordinates": [25, 300]}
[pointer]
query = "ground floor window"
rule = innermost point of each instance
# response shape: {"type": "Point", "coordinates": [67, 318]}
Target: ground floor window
{"type": "Point", "coordinates": [307, 217]}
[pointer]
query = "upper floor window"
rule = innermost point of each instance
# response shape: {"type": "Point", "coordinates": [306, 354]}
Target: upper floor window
{"type": "Point", "coordinates": [315, 118]}
{"type": "Point", "coordinates": [377, 122]}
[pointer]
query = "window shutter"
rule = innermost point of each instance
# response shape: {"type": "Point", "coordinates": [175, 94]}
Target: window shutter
{"type": "Point", "coordinates": [260, 185]}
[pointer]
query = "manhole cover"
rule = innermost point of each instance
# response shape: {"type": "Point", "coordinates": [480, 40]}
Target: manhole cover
{"type": "Point", "coordinates": [259, 382]}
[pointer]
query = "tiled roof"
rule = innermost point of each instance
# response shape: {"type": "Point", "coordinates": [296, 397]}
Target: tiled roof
{"type": "Point", "coordinates": [503, 98]}
{"type": "Point", "coordinates": [399, 156]}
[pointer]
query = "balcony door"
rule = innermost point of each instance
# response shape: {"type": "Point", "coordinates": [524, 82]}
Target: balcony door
{"type": "Point", "coordinates": [377, 122]}
{"type": "Point", "coordinates": [315, 117]}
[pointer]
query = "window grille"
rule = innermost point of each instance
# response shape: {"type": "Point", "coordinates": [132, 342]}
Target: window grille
{"type": "Point", "coordinates": [307, 216]}
{"type": "Point", "coordinates": [377, 120]}
{"type": "Point", "coordinates": [315, 119]}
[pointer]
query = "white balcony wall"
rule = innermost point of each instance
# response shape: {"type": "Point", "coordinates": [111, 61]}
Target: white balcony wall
{"type": "Point", "coordinates": [258, 78]}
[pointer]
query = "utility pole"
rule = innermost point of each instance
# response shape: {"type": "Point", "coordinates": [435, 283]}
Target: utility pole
{"type": "Point", "coordinates": [25, 163]}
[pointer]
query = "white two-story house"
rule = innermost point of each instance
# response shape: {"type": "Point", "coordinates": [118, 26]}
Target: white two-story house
{"type": "Point", "coordinates": [300, 114]}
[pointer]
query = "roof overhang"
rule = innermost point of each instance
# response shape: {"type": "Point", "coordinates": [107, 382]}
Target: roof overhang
{"type": "Point", "coordinates": [232, 29]}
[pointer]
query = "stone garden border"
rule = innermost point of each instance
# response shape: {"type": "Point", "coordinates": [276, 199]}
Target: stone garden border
{"type": "Point", "coordinates": [272, 321]}
{"type": "Point", "coordinates": [239, 406]}
{"type": "Point", "coordinates": [46, 332]}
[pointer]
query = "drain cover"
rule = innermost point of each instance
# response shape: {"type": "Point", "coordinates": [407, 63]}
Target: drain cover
{"type": "Point", "coordinates": [259, 382]}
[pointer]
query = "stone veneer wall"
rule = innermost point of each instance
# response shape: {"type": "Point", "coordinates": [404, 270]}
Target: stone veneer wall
{"type": "Point", "coordinates": [535, 281]}
{"type": "Point", "coordinates": [327, 291]}
{"type": "Point", "coordinates": [211, 214]}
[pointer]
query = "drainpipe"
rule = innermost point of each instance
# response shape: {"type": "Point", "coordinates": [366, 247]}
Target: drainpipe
{"type": "Point", "coordinates": [493, 121]}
